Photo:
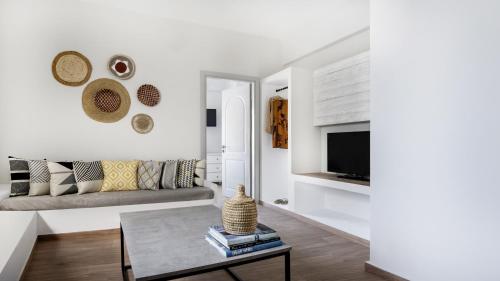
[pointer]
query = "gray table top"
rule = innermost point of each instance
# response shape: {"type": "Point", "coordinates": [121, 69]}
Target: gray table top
{"type": "Point", "coordinates": [165, 243]}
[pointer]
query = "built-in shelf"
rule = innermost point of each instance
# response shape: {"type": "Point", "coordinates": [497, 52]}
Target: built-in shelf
{"type": "Point", "coordinates": [333, 181]}
{"type": "Point", "coordinates": [352, 225]}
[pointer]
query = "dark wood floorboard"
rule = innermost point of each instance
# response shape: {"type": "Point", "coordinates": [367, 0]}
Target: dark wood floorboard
{"type": "Point", "coordinates": [317, 255]}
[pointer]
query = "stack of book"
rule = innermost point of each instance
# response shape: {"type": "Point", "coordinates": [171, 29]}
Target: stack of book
{"type": "Point", "coordinates": [232, 245]}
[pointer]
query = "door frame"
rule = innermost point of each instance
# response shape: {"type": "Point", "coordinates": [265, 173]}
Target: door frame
{"type": "Point", "coordinates": [255, 123]}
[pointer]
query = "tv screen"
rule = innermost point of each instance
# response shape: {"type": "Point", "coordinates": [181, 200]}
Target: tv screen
{"type": "Point", "coordinates": [349, 154]}
{"type": "Point", "coordinates": [211, 118]}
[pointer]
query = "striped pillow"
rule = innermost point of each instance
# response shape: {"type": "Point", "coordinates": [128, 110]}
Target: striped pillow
{"type": "Point", "coordinates": [39, 178]}
{"type": "Point", "coordinates": [185, 173]}
{"type": "Point", "coordinates": [89, 176]}
{"type": "Point", "coordinates": [19, 176]}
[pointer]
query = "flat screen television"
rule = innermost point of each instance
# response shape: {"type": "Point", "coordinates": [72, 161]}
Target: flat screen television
{"type": "Point", "coordinates": [349, 154]}
{"type": "Point", "coordinates": [211, 117]}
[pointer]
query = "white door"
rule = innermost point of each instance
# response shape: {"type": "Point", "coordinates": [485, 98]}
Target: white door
{"type": "Point", "coordinates": [236, 147]}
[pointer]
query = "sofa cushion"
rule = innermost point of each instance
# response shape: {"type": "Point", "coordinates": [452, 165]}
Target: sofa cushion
{"type": "Point", "coordinates": [169, 174]}
{"type": "Point", "coordinates": [103, 199]}
{"type": "Point", "coordinates": [199, 173]}
{"type": "Point", "coordinates": [119, 175]}
{"type": "Point", "coordinates": [19, 176]}
{"type": "Point", "coordinates": [148, 175]}
{"type": "Point", "coordinates": [39, 178]}
{"type": "Point", "coordinates": [88, 175]}
{"type": "Point", "coordinates": [185, 173]}
{"type": "Point", "coordinates": [62, 178]}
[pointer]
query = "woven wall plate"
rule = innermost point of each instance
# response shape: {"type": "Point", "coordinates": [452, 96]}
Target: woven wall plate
{"type": "Point", "coordinates": [148, 95]}
{"type": "Point", "coordinates": [122, 66]}
{"type": "Point", "coordinates": [105, 100]}
{"type": "Point", "coordinates": [142, 123]}
{"type": "Point", "coordinates": [71, 68]}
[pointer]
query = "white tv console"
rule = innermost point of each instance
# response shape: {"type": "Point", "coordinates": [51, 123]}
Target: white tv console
{"type": "Point", "coordinates": [339, 203]}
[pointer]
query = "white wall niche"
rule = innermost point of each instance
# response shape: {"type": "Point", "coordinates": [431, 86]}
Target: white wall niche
{"type": "Point", "coordinates": [343, 210]}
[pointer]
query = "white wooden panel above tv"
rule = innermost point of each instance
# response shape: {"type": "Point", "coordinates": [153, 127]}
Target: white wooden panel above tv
{"type": "Point", "coordinates": [342, 91]}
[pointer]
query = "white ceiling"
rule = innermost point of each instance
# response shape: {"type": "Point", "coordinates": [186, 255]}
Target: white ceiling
{"type": "Point", "coordinates": [302, 25]}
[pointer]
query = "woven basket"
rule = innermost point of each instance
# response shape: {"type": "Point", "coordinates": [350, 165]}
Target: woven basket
{"type": "Point", "coordinates": [239, 214]}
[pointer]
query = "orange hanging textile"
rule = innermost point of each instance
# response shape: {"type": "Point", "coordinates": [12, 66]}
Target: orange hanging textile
{"type": "Point", "coordinates": [280, 123]}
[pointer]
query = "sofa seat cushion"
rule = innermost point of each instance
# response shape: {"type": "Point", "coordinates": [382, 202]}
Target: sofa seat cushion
{"type": "Point", "coordinates": [103, 199]}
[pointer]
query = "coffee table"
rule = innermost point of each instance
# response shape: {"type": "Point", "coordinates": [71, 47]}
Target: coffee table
{"type": "Point", "coordinates": [170, 244]}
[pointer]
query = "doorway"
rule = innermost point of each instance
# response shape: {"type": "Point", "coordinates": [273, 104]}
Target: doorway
{"type": "Point", "coordinates": [229, 132]}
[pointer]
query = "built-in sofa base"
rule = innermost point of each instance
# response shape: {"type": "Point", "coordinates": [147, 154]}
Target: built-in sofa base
{"type": "Point", "coordinates": [76, 213]}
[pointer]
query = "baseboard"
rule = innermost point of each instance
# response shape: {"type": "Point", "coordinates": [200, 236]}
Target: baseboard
{"type": "Point", "coordinates": [370, 268]}
{"type": "Point", "coordinates": [81, 234]}
{"type": "Point", "coordinates": [328, 228]}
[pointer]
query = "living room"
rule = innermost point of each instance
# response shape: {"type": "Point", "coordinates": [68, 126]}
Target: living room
{"type": "Point", "coordinates": [249, 140]}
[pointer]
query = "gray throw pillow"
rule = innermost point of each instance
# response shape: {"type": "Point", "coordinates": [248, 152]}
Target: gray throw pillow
{"type": "Point", "coordinates": [148, 175]}
{"type": "Point", "coordinates": [89, 176]}
{"type": "Point", "coordinates": [169, 175]}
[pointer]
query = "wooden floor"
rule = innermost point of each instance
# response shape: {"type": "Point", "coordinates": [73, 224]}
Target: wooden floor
{"type": "Point", "coordinates": [317, 255]}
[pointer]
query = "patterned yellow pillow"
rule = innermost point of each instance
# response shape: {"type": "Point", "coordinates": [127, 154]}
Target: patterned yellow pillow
{"type": "Point", "coordinates": [119, 175]}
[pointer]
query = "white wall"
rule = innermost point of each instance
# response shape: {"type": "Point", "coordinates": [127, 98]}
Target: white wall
{"type": "Point", "coordinates": [41, 118]}
{"type": "Point", "coordinates": [435, 139]}
{"type": "Point", "coordinates": [304, 138]}
{"type": "Point", "coordinates": [214, 134]}
{"type": "Point", "coordinates": [274, 161]}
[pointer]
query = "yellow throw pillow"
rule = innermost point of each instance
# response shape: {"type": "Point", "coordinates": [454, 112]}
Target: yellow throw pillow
{"type": "Point", "coordinates": [119, 175]}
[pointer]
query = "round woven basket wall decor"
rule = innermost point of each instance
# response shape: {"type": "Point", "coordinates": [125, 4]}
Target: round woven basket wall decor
{"type": "Point", "coordinates": [122, 66]}
{"type": "Point", "coordinates": [71, 68]}
{"type": "Point", "coordinates": [148, 95]}
{"type": "Point", "coordinates": [142, 123]}
{"type": "Point", "coordinates": [105, 100]}
{"type": "Point", "coordinates": [239, 214]}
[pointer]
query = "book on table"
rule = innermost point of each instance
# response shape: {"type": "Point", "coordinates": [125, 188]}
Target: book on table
{"type": "Point", "coordinates": [262, 233]}
{"type": "Point", "coordinates": [232, 245]}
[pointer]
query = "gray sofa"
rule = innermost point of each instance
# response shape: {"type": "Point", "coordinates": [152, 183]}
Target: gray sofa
{"type": "Point", "coordinates": [103, 199]}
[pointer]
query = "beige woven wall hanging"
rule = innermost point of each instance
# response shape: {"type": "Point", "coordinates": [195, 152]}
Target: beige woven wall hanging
{"type": "Point", "coordinates": [71, 68]}
{"type": "Point", "coordinates": [105, 100]}
{"type": "Point", "coordinates": [142, 123]}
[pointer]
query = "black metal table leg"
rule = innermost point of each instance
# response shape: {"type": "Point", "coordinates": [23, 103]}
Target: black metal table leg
{"type": "Point", "coordinates": [288, 276]}
{"type": "Point", "coordinates": [233, 275]}
{"type": "Point", "coordinates": [122, 256]}
{"type": "Point", "coordinates": [287, 267]}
